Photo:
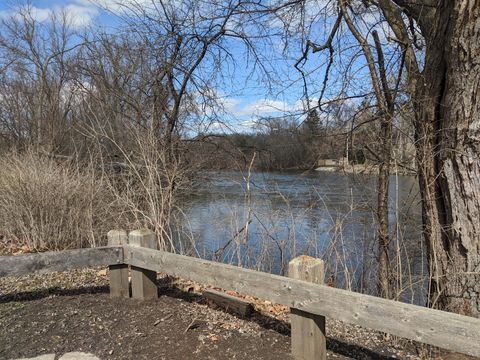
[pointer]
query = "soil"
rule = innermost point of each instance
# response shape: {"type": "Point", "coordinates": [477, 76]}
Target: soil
{"type": "Point", "coordinates": [66, 312]}
{"type": "Point", "coordinates": [169, 328]}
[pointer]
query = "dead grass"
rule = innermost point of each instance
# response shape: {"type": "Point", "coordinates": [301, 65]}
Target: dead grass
{"type": "Point", "coordinates": [48, 205]}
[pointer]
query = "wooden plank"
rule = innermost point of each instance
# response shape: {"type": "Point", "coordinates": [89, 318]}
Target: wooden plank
{"type": "Point", "coordinates": [144, 282]}
{"type": "Point", "coordinates": [309, 341]}
{"type": "Point", "coordinates": [230, 303]}
{"type": "Point", "coordinates": [118, 274]}
{"type": "Point", "coordinates": [446, 330]}
{"type": "Point", "coordinates": [54, 261]}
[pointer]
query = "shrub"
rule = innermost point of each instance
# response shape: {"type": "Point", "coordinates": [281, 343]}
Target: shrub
{"type": "Point", "coordinates": [50, 205]}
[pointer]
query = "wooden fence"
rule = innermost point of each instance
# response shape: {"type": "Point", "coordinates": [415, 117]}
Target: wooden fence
{"type": "Point", "coordinates": [302, 291]}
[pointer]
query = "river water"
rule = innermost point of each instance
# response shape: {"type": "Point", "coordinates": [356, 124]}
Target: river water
{"type": "Point", "coordinates": [263, 220]}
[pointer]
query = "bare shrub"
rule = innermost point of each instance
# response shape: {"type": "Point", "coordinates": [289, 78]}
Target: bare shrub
{"type": "Point", "coordinates": [146, 182]}
{"type": "Point", "coordinates": [47, 205]}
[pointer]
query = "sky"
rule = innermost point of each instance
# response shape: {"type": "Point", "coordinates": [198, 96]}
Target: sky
{"type": "Point", "coordinates": [243, 92]}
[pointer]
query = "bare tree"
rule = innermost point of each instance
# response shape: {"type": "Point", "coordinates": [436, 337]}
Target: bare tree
{"type": "Point", "coordinates": [36, 93]}
{"type": "Point", "coordinates": [440, 43]}
{"type": "Point", "coordinates": [180, 39]}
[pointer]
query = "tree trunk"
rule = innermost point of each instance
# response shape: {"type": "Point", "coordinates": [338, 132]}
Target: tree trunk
{"type": "Point", "coordinates": [382, 211]}
{"type": "Point", "coordinates": [388, 109]}
{"type": "Point", "coordinates": [447, 106]}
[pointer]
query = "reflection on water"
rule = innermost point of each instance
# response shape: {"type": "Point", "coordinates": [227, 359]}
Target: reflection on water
{"type": "Point", "coordinates": [322, 214]}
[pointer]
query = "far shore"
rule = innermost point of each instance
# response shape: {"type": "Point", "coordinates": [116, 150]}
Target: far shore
{"type": "Point", "coordinates": [364, 169]}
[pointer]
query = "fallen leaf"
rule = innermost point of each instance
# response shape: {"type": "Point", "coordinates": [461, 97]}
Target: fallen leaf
{"type": "Point", "coordinates": [102, 272]}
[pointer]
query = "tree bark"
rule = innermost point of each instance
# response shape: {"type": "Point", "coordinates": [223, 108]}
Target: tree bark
{"type": "Point", "coordinates": [447, 107]}
{"type": "Point", "coordinates": [386, 122]}
{"type": "Point", "coordinates": [382, 211]}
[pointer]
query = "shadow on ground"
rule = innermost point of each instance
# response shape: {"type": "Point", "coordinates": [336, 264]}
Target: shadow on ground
{"type": "Point", "coordinates": [334, 345]}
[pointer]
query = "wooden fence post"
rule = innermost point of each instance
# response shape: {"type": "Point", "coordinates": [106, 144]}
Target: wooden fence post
{"type": "Point", "coordinates": [118, 274]}
{"type": "Point", "coordinates": [143, 281]}
{"type": "Point", "coordinates": [308, 330]}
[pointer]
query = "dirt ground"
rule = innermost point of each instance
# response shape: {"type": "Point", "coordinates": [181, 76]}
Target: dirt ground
{"type": "Point", "coordinates": [65, 312]}
{"type": "Point", "coordinates": [169, 328]}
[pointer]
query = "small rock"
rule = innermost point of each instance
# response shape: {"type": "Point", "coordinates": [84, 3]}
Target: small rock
{"type": "Point", "coordinates": [78, 356]}
{"type": "Point", "coordinates": [41, 357]}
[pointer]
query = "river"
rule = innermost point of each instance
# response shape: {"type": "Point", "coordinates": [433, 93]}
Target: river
{"type": "Point", "coordinates": [263, 220]}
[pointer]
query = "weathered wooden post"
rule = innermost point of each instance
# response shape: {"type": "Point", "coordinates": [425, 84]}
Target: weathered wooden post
{"type": "Point", "coordinates": [308, 330]}
{"type": "Point", "coordinates": [118, 274]}
{"type": "Point", "coordinates": [143, 281]}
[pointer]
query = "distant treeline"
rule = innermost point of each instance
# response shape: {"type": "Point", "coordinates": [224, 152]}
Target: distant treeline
{"type": "Point", "coordinates": [285, 144]}
{"type": "Point", "coordinates": [279, 144]}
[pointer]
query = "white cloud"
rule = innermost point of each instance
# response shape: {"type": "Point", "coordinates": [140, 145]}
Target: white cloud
{"type": "Point", "coordinates": [39, 14]}
{"type": "Point", "coordinates": [35, 13]}
{"type": "Point", "coordinates": [229, 104]}
{"type": "Point", "coordinates": [111, 5]}
{"type": "Point", "coordinates": [230, 127]}
{"type": "Point", "coordinates": [78, 15]}
{"type": "Point", "coordinates": [248, 125]}
{"type": "Point", "coordinates": [264, 107]}
{"type": "Point", "coordinates": [120, 6]}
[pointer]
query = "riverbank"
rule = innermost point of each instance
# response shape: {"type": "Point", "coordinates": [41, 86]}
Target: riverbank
{"type": "Point", "coordinates": [362, 169]}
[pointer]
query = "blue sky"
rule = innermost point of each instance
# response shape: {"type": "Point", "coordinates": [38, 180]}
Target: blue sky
{"type": "Point", "coordinates": [243, 91]}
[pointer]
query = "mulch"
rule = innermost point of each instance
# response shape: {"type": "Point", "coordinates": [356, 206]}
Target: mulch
{"type": "Point", "coordinates": [169, 328]}
{"type": "Point", "coordinates": [65, 312]}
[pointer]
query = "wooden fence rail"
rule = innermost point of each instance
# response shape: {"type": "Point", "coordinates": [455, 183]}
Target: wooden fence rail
{"type": "Point", "coordinates": [443, 329]}
{"type": "Point", "coordinates": [54, 261]}
{"type": "Point", "coordinates": [446, 330]}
